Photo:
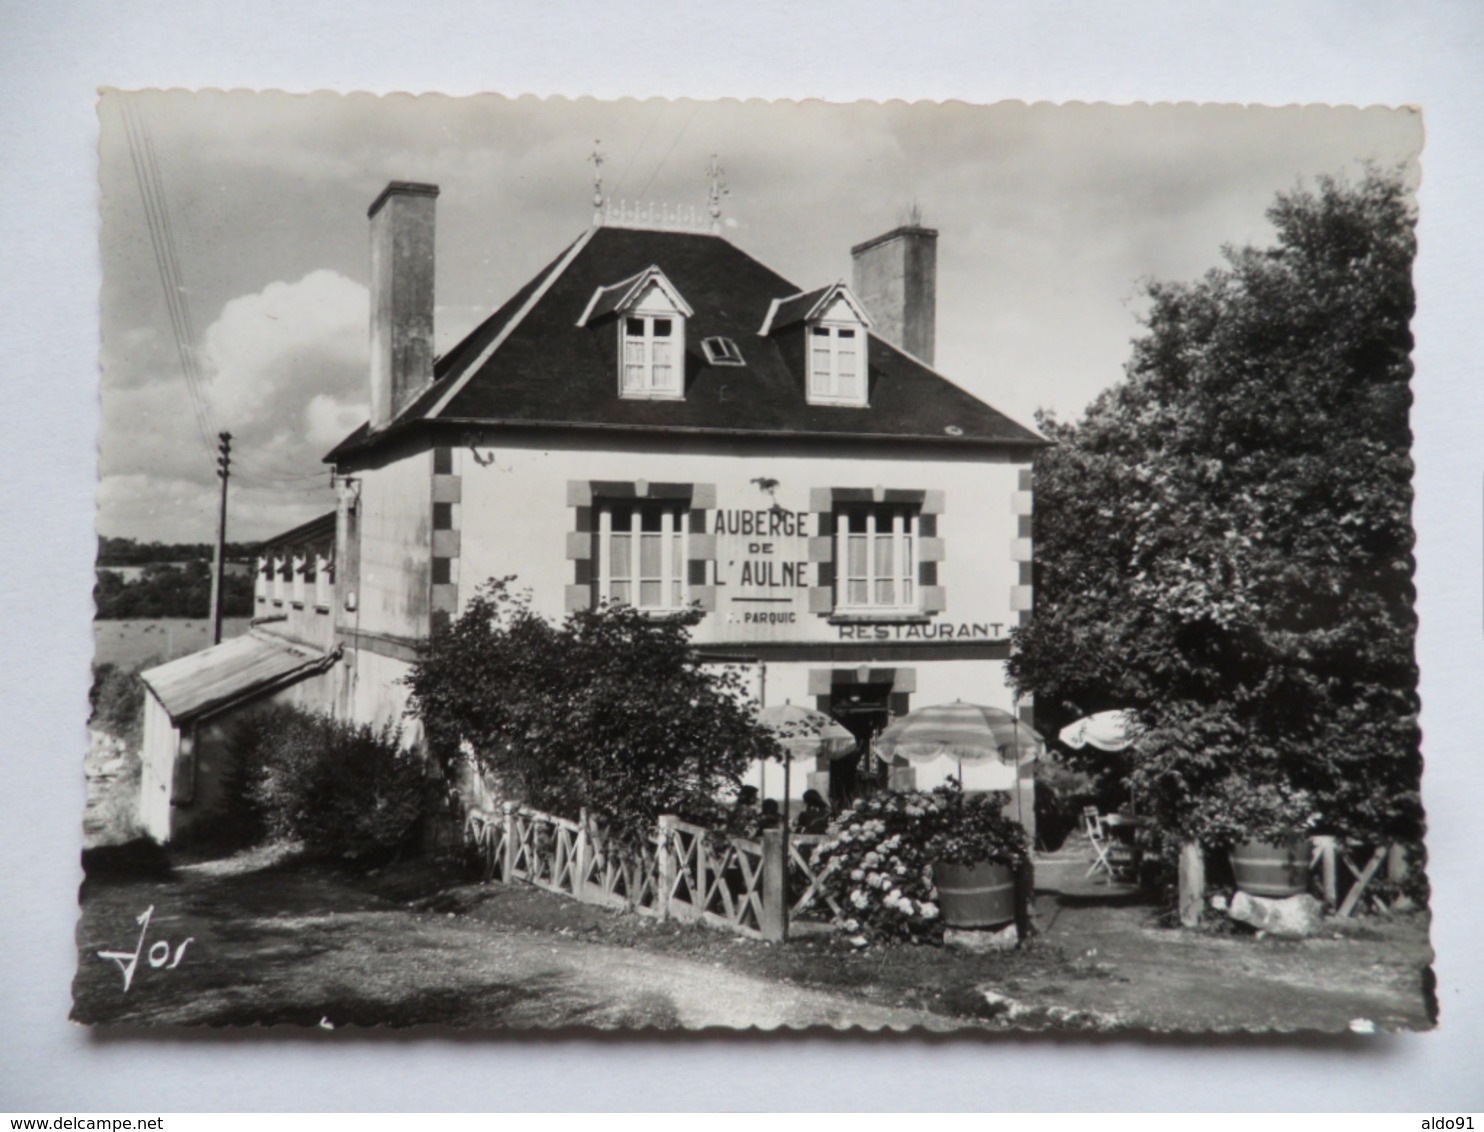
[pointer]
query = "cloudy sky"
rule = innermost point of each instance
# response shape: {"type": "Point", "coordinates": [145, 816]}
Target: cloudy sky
{"type": "Point", "coordinates": [1049, 218]}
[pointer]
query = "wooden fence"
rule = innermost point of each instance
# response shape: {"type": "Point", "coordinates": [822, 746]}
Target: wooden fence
{"type": "Point", "coordinates": [1329, 857]}
{"type": "Point", "coordinates": [685, 872]}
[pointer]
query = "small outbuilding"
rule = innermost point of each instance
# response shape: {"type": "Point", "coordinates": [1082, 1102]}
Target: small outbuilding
{"type": "Point", "coordinates": [188, 706]}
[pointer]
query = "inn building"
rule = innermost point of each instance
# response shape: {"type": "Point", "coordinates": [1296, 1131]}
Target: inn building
{"type": "Point", "coordinates": [659, 419]}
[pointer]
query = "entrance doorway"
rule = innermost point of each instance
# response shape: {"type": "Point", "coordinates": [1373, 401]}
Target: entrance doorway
{"type": "Point", "coordinates": [864, 710]}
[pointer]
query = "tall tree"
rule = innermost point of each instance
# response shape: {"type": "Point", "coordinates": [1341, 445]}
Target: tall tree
{"type": "Point", "coordinates": [1224, 541]}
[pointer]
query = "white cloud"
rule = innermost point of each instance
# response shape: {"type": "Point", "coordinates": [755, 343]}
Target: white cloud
{"type": "Point", "coordinates": [286, 370]}
{"type": "Point", "coordinates": [327, 420]}
{"type": "Point", "coordinates": [293, 339]}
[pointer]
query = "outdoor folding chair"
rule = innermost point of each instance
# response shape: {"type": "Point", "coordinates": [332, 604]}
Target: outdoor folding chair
{"type": "Point", "coordinates": [1092, 825]}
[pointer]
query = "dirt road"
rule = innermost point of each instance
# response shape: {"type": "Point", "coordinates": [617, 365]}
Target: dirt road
{"type": "Point", "coordinates": [289, 947]}
{"type": "Point", "coordinates": [302, 944]}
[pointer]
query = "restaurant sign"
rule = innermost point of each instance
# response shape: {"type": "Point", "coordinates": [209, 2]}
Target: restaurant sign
{"type": "Point", "coordinates": [763, 565]}
{"type": "Point", "coordinates": [763, 555]}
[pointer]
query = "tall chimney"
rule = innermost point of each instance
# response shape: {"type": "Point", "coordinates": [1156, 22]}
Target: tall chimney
{"type": "Point", "coordinates": [401, 296]}
{"type": "Point", "coordinates": [896, 277]}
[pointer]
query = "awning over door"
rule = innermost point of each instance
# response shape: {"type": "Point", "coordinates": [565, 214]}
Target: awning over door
{"type": "Point", "coordinates": [230, 673]}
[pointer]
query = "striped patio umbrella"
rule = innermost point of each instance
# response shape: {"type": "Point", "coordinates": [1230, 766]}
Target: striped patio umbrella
{"type": "Point", "coordinates": [970, 733]}
{"type": "Point", "coordinates": [805, 733]}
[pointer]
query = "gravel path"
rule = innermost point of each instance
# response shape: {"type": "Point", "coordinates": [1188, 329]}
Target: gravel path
{"type": "Point", "coordinates": [283, 947]}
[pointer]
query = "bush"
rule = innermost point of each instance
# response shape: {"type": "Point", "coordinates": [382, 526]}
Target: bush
{"type": "Point", "coordinates": [878, 862]}
{"type": "Point", "coordinates": [341, 789]}
{"type": "Point", "coordinates": [117, 702]}
{"type": "Point", "coordinates": [610, 710]}
{"type": "Point", "coordinates": [1238, 810]}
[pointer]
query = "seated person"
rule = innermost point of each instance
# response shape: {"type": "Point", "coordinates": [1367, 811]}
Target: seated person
{"type": "Point", "coordinates": [815, 817]}
{"type": "Point", "coordinates": [742, 819]}
{"type": "Point", "coordinates": [770, 818]}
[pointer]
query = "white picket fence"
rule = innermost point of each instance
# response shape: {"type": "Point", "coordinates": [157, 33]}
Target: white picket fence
{"type": "Point", "coordinates": [685, 872]}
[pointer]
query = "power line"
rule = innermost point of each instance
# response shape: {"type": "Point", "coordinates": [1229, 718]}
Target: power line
{"type": "Point", "coordinates": [164, 247]}
{"type": "Point", "coordinates": [256, 470]}
{"type": "Point", "coordinates": [278, 488]}
{"type": "Point", "coordinates": [150, 195]}
{"type": "Point", "coordinates": [653, 122]}
{"type": "Point", "coordinates": [669, 151]}
{"type": "Point", "coordinates": [166, 264]}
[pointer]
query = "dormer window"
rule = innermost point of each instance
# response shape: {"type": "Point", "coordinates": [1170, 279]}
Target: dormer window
{"type": "Point", "coordinates": [836, 333]}
{"type": "Point", "coordinates": [650, 315]}
{"type": "Point", "coordinates": [651, 358]}
{"type": "Point", "coordinates": [835, 364]}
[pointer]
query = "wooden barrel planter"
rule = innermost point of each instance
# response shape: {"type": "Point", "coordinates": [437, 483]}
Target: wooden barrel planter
{"type": "Point", "coordinates": [975, 896]}
{"type": "Point", "coordinates": [1275, 869]}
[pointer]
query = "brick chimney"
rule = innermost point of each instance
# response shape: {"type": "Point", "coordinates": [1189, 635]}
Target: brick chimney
{"type": "Point", "coordinates": [896, 277]}
{"type": "Point", "coordinates": [401, 296]}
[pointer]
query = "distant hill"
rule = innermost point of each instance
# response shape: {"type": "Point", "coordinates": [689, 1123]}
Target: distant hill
{"type": "Point", "coordinates": [168, 590]}
{"type": "Point", "coordinates": [130, 552]}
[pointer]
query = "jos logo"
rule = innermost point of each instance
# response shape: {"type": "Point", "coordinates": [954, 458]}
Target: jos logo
{"type": "Point", "coordinates": [158, 955]}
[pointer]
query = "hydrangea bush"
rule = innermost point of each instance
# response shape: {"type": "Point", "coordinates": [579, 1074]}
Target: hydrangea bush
{"type": "Point", "coordinates": [878, 861]}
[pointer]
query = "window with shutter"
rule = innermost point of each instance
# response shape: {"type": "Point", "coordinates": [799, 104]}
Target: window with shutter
{"type": "Point", "coordinates": [641, 559]}
{"type": "Point", "coordinates": [837, 371]}
{"type": "Point", "coordinates": [877, 553]}
{"type": "Point", "coordinates": [876, 558]}
{"type": "Point", "coordinates": [652, 348]}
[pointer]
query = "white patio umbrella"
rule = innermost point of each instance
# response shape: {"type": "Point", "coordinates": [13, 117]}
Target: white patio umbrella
{"type": "Point", "coordinates": [806, 733]}
{"type": "Point", "coordinates": [1105, 730]}
{"type": "Point", "coordinates": [1111, 731]}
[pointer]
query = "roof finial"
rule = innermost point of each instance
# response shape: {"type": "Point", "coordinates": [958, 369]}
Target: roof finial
{"type": "Point", "coordinates": [597, 157]}
{"type": "Point", "coordinates": [718, 190]}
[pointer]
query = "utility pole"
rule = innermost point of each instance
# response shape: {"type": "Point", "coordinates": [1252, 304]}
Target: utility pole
{"type": "Point", "coordinates": [223, 471]}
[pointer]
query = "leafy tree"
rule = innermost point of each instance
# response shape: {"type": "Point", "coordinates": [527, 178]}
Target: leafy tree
{"type": "Point", "coordinates": [610, 710]}
{"type": "Point", "coordinates": [130, 552]}
{"type": "Point", "coordinates": [1224, 541]}
{"type": "Point", "coordinates": [170, 591]}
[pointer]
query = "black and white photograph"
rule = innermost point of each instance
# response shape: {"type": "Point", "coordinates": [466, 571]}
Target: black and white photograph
{"type": "Point", "coordinates": [674, 565]}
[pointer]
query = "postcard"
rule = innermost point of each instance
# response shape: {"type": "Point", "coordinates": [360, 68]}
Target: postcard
{"type": "Point", "coordinates": [652, 565]}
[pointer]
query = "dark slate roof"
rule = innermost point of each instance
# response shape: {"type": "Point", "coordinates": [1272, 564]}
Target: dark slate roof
{"type": "Point", "coordinates": [609, 299]}
{"type": "Point", "coordinates": [792, 309]}
{"type": "Point", "coordinates": [549, 372]}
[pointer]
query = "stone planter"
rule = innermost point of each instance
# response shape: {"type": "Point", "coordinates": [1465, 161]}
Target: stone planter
{"type": "Point", "coordinates": [975, 896]}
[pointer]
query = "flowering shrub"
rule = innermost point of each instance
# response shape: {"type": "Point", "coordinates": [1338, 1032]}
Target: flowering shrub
{"type": "Point", "coordinates": [878, 862]}
{"type": "Point", "coordinates": [975, 829]}
{"type": "Point", "coordinates": [609, 711]}
{"type": "Point", "coordinates": [1238, 810]}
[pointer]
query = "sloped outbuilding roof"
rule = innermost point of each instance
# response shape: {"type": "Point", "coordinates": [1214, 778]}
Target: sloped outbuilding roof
{"type": "Point", "coordinates": [531, 365]}
{"type": "Point", "coordinates": [230, 673]}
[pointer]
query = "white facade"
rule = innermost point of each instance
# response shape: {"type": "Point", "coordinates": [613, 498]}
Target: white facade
{"type": "Point", "coordinates": [756, 546]}
{"type": "Point", "coordinates": [662, 421]}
